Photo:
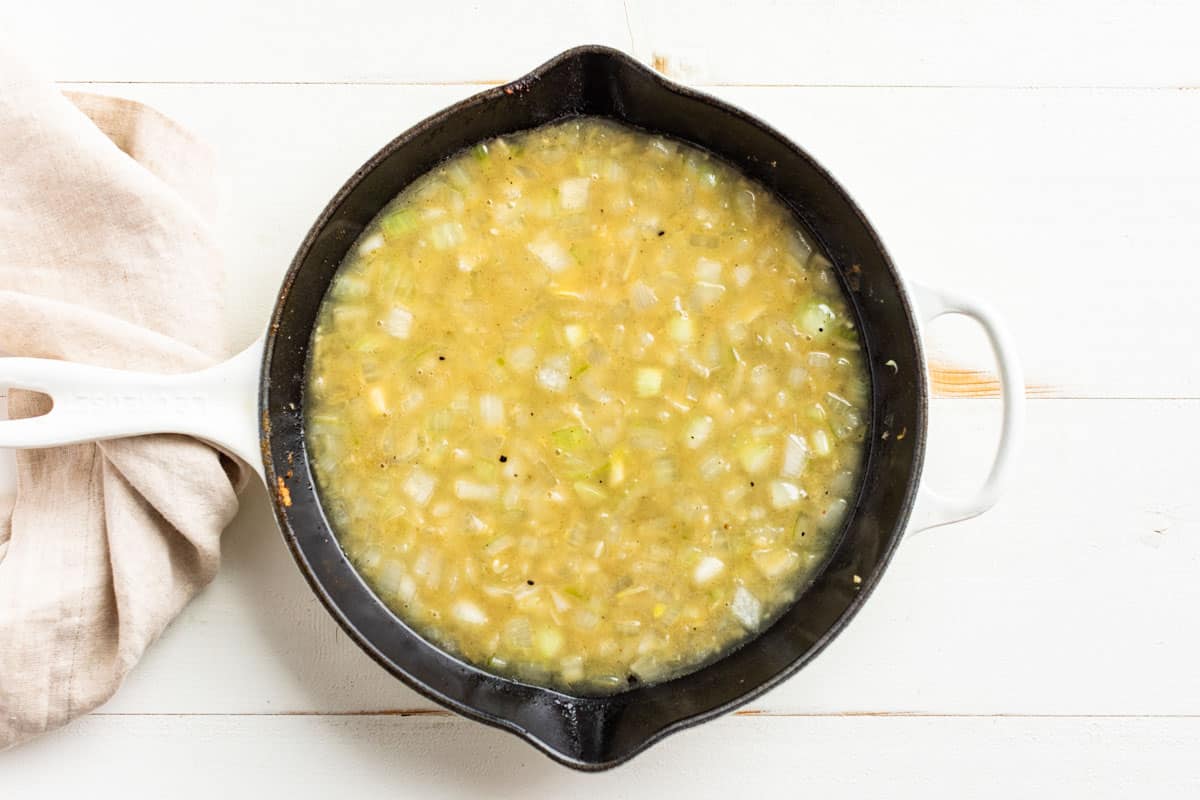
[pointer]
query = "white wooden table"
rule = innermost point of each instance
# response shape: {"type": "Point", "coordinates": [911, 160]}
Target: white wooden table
{"type": "Point", "coordinates": [1045, 157]}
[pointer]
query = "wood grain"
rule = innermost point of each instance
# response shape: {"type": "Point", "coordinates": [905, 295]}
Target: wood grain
{"type": "Point", "coordinates": [1017, 654]}
{"type": "Point", "coordinates": [1013, 612]}
{"type": "Point", "coordinates": [446, 757]}
{"type": "Point", "coordinates": [950, 380]}
{"type": "Point", "coordinates": [1033, 226]}
{"type": "Point", "coordinates": [1023, 43]}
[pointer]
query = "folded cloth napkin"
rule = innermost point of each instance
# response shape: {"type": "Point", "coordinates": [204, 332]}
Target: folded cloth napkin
{"type": "Point", "coordinates": [105, 258]}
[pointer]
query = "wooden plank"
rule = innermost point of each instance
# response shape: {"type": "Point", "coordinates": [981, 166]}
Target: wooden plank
{"type": "Point", "coordinates": [1083, 242]}
{"type": "Point", "coordinates": [863, 42]}
{"type": "Point", "coordinates": [923, 43]}
{"type": "Point", "coordinates": [1068, 598]}
{"type": "Point", "coordinates": [830, 757]}
{"type": "Point", "coordinates": [281, 40]}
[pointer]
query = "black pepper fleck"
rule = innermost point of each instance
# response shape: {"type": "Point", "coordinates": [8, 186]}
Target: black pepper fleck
{"type": "Point", "coordinates": [503, 459]}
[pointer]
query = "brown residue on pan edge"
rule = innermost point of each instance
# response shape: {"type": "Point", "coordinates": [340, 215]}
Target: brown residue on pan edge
{"type": "Point", "coordinates": [660, 63]}
{"type": "Point", "coordinates": [951, 381]}
{"type": "Point", "coordinates": [283, 492]}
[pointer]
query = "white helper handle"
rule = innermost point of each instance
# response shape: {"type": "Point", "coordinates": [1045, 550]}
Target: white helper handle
{"type": "Point", "coordinates": [218, 404]}
{"type": "Point", "coordinates": [932, 508]}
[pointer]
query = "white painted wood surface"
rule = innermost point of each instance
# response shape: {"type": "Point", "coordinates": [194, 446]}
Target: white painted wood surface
{"type": "Point", "coordinates": [1038, 155]}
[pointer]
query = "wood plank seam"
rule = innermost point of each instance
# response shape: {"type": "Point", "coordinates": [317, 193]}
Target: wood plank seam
{"type": "Point", "coordinates": [750, 712]}
{"type": "Point", "coordinates": [486, 82]}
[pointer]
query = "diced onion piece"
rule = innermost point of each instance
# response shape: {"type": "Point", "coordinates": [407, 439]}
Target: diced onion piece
{"type": "Point", "coordinates": [378, 400]}
{"type": "Point", "coordinates": [561, 603]}
{"type": "Point", "coordinates": [446, 235]}
{"type": "Point", "coordinates": [419, 486]}
{"type": "Point", "coordinates": [834, 514]}
{"type": "Point", "coordinates": [800, 248]}
{"type": "Point", "coordinates": [643, 296]}
{"type": "Point", "coordinates": [548, 641]}
{"type": "Point", "coordinates": [552, 379]}
{"type": "Point", "coordinates": [470, 490]}
{"type": "Point", "coordinates": [819, 360]}
{"type": "Point", "coordinates": [648, 381]}
{"type": "Point", "coordinates": [468, 612]}
{"type": "Point", "coordinates": [775, 562]}
{"type": "Point", "coordinates": [708, 270]}
{"type": "Point", "coordinates": [820, 442]}
{"type": "Point", "coordinates": [816, 319]}
{"type": "Point", "coordinates": [616, 469]}
{"type": "Point", "coordinates": [398, 322]}
{"type": "Point", "coordinates": [491, 410]}
{"type": "Point", "coordinates": [570, 438]}
{"type": "Point", "coordinates": [512, 498]}
{"type": "Point", "coordinates": [573, 193]}
{"type": "Point", "coordinates": [746, 608]}
{"type": "Point", "coordinates": [576, 335]}
{"type": "Point", "coordinates": [412, 401]}
{"type": "Point", "coordinates": [663, 471]}
{"type": "Point", "coordinates": [571, 669]}
{"type": "Point", "coordinates": [550, 252]}
{"type": "Point", "coordinates": [755, 456]}
{"type": "Point", "coordinates": [712, 466]}
{"type": "Point", "coordinates": [646, 438]}
{"type": "Point", "coordinates": [795, 456]}
{"type": "Point", "coordinates": [389, 577]}
{"type": "Point", "coordinates": [742, 275]}
{"type": "Point", "coordinates": [706, 294]}
{"type": "Point", "coordinates": [682, 329]}
{"type": "Point", "coordinates": [589, 493]}
{"type": "Point", "coordinates": [370, 244]}
{"type": "Point", "coordinates": [698, 431]}
{"type": "Point", "coordinates": [785, 495]}
{"type": "Point", "coordinates": [522, 358]}
{"type": "Point", "coordinates": [399, 222]}
{"type": "Point", "coordinates": [518, 633]}
{"type": "Point", "coordinates": [708, 568]}
{"type": "Point", "coordinates": [498, 545]}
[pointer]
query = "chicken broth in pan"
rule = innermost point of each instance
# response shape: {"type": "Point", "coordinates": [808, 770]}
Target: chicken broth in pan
{"type": "Point", "coordinates": [586, 407]}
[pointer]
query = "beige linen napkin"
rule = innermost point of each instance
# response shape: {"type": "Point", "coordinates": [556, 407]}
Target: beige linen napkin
{"type": "Point", "coordinates": [105, 258]}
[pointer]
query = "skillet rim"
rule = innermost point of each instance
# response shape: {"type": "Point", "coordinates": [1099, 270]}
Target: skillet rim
{"type": "Point", "coordinates": [280, 505]}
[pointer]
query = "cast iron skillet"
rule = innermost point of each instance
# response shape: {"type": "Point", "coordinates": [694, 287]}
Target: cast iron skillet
{"type": "Point", "coordinates": [589, 733]}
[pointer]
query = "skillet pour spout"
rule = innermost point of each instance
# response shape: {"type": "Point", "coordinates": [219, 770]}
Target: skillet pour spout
{"type": "Point", "coordinates": [587, 733]}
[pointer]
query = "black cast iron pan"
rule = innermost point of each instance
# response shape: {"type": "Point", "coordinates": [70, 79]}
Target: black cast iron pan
{"type": "Point", "coordinates": [589, 733]}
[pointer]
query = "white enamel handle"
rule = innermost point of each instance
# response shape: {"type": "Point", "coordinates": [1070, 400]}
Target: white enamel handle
{"type": "Point", "coordinates": [933, 508]}
{"type": "Point", "coordinates": [218, 404]}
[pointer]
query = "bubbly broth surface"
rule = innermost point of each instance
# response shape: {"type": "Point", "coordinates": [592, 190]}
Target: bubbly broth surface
{"type": "Point", "coordinates": [585, 407]}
